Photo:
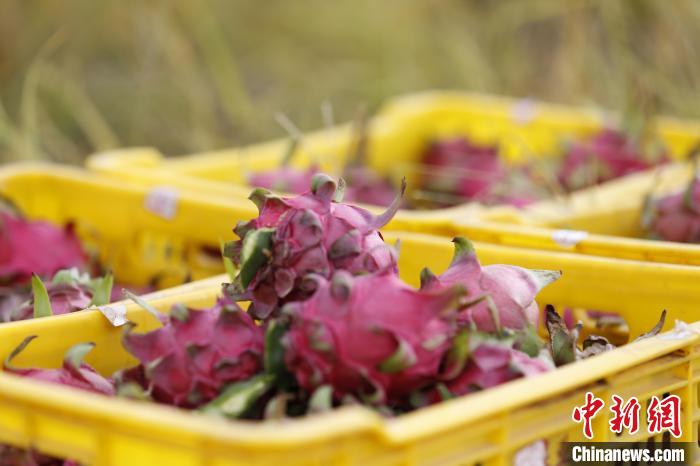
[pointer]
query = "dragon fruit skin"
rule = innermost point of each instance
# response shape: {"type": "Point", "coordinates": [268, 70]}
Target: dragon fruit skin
{"type": "Point", "coordinates": [284, 179]}
{"type": "Point", "coordinates": [370, 336]}
{"type": "Point", "coordinates": [195, 354]}
{"type": "Point", "coordinates": [37, 247]}
{"type": "Point", "coordinates": [68, 291]}
{"type": "Point", "coordinates": [676, 217]}
{"type": "Point", "coordinates": [311, 233]}
{"type": "Point", "coordinates": [366, 186]}
{"type": "Point", "coordinates": [490, 365]}
{"type": "Point", "coordinates": [510, 289]}
{"type": "Point", "coordinates": [11, 300]}
{"type": "Point", "coordinates": [482, 166]}
{"type": "Point", "coordinates": [608, 154]}
{"type": "Point", "coordinates": [65, 298]}
{"type": "Point", "coordinates": [74, 373]}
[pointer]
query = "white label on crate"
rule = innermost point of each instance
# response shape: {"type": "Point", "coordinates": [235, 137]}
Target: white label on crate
{"type": "Point", "coordinates": [569, 238]}
{"type": "Point", "coordinates": [531, 455]}
{"type": "Point", "coordinates": [162, 201]}
{"type": "Point", "coordinates": [680, 331]}
{"type": "Point", "coordinates": [523, 111]}
{"type": "Point", "coordinates": [115, 313]}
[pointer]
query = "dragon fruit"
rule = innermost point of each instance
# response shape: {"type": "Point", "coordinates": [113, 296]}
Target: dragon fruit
{"type": "Point", "coordinates": [69, 291]}
{"type": "Point", "coordinates": [194, 354]}
{"type": "Point", "coordinates": [675, 217]}
{"type": "Point", "coordinates": [74, 373]}
{"type": "Point", "coordinates": [481, 166]}
{"type": "Point", "coordinates": [35, 247]}
{"type": "Point", "coordinates": [284, 179]}
{"type": "Point", "coordinates": [366, 186]}
{"type": "Point", "coordinates": [370, 336]}
{"type": "Point", "coordinates": [490, 363]}
{"type": "Point", "coordinates": [607, 155]}
{"type": "Point", "coordinates": [503, 296]}
{"type": "Point", "coordinates": [293, 237]}
{"type": "Point", "coordinates": [459, 171]}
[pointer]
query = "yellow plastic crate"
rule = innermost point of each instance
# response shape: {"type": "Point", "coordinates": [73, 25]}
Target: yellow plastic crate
{"type": "Point", "coordinates": [586, 222]}
{"type": "Point", "coordinates": [486, 428]}
{"type": "Point", "coordinates": [399, 132]}
{"type": "Point", "coordinates": [613, 208]}
{"type": "Point", "coordinates": [144, 235]}
{"type": "Point", "coordinates": [397, 136]}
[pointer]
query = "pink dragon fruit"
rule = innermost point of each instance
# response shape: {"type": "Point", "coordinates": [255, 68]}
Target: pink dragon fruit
{"type": "Point", "coordinates": [607, 155]}
{"type": "Point", "coordinates": [366, 186]}
{"type": "Point", "coordinates": [69, 291]}
{"type": "Point", "coordinates": [370, 336]}
{"type": "Point", "coordinates": [284, 179]}
{"type": "Point", "coordinates": [461, 171]}
{"type": "Point", "coordinates": [74, 373]}
{"type": "Point", "coordinates": [491, 363]}
{"type": "Point", "coordinates": [675, 217]}
{"type": "Point", "coordinates": [194, 354]}
{"type": "Point", "coordinates": [462, 168]}
{"type": "Point", "coordinates": [11, 299]}
{"type": "Point", "coordinates": [35, 247]}
{"type": "Point", "coordinates": [501, 295]}
{"type": "Point", "coordinates": [293, 237]}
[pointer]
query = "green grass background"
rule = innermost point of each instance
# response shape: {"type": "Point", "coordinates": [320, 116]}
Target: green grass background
{"type": "Point", "coordinates": [77, 76]}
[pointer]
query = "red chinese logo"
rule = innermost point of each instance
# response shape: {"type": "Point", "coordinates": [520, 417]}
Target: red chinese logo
{"type": "Point", "coordinates": [662, 414]}
{"type": "Point", "coordinates": [587, 412]}
{"type": "Point", "coordinates": [625, 415]}
{"type": "Point", "coordinates": [665, 414]}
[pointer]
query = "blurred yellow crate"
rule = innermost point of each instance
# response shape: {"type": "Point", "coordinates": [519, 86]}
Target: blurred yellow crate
{"type": "Point", "coordinates": [401, 130]}
{"type": "Point", "coordinates": [612, 208]}
{"type": "Point", "coordinates": [604, 221]}
{"type": "Point", "coordinates": [397, 136]}
{"type": "Point", "coordinates": [144, 235]}
{"type": "Point", "coordinates": [486, 428]}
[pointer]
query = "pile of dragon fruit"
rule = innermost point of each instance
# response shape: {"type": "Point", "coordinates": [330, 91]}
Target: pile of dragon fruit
{"type": "Point", "coordinates": [330, 323]}
{"type": "Point", "coordinates": [35, 252]}
{"type": "Point", "coordinates": [457, 170]}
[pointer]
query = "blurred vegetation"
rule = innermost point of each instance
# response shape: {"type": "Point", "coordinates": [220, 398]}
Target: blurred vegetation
{"type": "Point", "coordinates": [78, 76]}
